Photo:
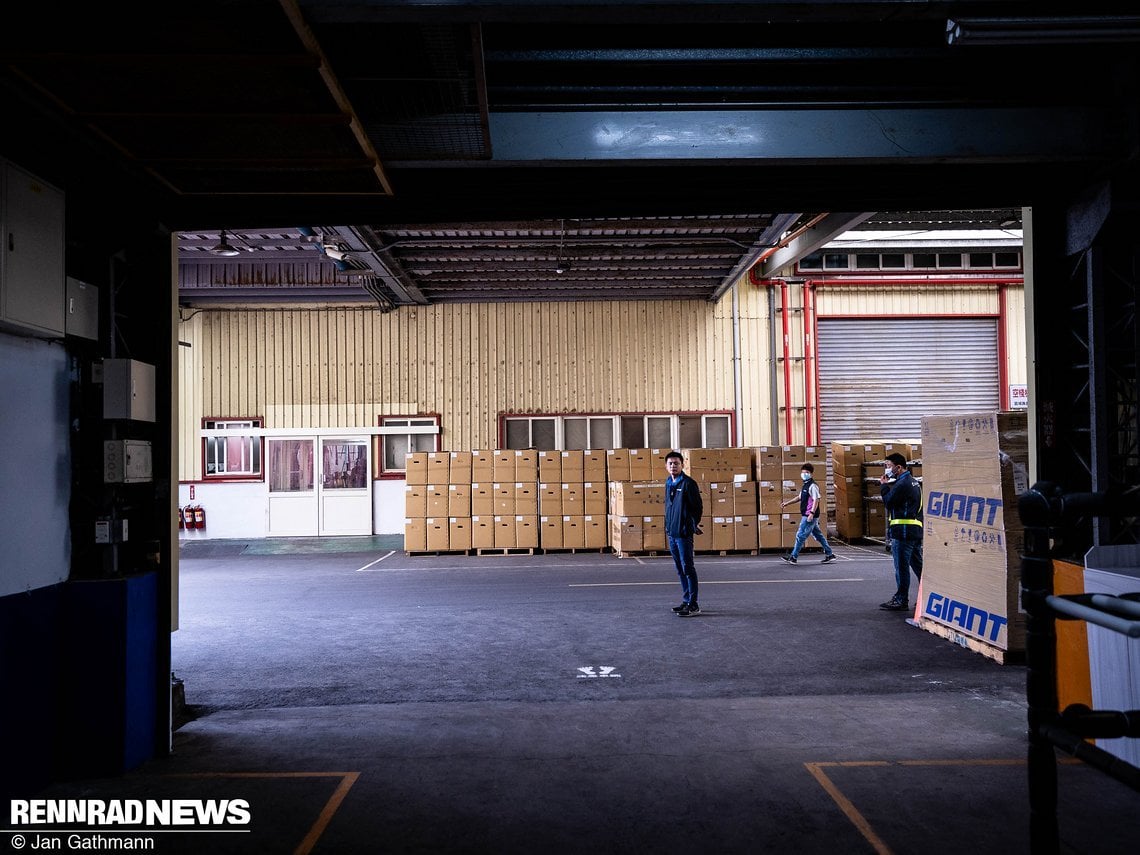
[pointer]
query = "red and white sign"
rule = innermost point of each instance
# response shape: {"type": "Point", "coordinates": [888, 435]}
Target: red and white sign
{"type": "Point", "coordinates": [1018, 396]}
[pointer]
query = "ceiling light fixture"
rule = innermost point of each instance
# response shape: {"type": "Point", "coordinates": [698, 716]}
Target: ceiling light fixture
{"type": "Point", "coordinates": [224, 247]}
{"type": "Point", "coordinates": [1042, 31]}
{"type": "Point", "coordinates": [1009, 223]}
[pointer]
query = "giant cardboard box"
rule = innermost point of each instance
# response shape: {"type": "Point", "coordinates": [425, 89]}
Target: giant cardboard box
{"type": "Point", "coordinates": [597, 533]}
{"type": "Point", "coordinates": [617, 464]}
{"type": "Point", "coordinates": [594, 465]}
{"type": "Point", "coordinates": [526, 531]}
{"type": "Point", "coordinates": [747, 536]}
{"type": "Point", "coordinates": [573, 531]}
{"type": "Point", "coordinates": [504, 465]}
{"type": "Point", "coordinates": [437, 500]}
{"type": "Point", "coordinates": [526, 465]}
{"type": "Point", "coordinates": [416, 467]}
{"type": "Point", "coordinates": [459, 500]}
{"type": "Point", "coordinates": [438, 533]}
{"type": "Point", "coordinates": [483, 465]}
{"type": "Point", "coordinates": [482, 532]}
{"type": "Point", "coordinates": [415, 501]}
{"type": "Point", "coordinates": [550, 466]}
{"type": "Point", "coordinates": [459, 467]}
{"type": "Point", "coordinates": [653, 534]}
{"type": "Point", "coordinates": [439, 467]}
{"type": "Point", "coordinates": [573, 466]}
{"type": "Point", "coordinates": [975, 465]}
{"type": "Point", "coordinates": [625, 533]}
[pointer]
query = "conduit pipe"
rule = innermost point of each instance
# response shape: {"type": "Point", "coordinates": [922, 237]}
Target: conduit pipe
{"type": "Point", "coordinates": [787, 363]}
{"type": "Point", "coordinates": [1002, 344]}
{"type": "Point", "coordinates": [809, 364]}
{"type": "Point", "coordinates": [736, 370]}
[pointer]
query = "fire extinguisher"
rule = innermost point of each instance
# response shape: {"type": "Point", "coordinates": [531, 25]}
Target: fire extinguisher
{"type": "Point", "coordinates": [199, 517]}
{"type": "Point", "coordinates": [181, 518]}
{"type": "Point", "coordinates": [189, 514]}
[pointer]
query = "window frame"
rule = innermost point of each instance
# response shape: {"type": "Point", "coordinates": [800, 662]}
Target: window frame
{"type": "Point", "coordinates": [382, 472]}
{"type": "Point", "coordinates": [674, 425]}
{"type": "Point", "coordinates": [238, 423]}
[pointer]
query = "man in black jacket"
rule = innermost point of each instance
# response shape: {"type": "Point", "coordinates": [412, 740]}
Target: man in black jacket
{"type": "Point", "coordinates": [683, 510]}
{"type": "Point", "coordinates": [902, 496]}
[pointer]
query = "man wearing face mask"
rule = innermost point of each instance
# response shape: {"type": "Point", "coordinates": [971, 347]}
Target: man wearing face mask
{"type": "Point", "coordinates": [811, 505]}
{"type": "Point", "coordinates": [902, 496]}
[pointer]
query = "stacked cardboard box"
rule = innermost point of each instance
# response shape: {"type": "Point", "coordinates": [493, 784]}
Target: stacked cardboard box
{"type": "Point", "coordinates": [637, 515]}
{"type": "Point", "coordinates": [727, 477]}
{"type": "Point", "coordinates": [856, 465]}
{"type": "Point", "coordinates": [437, 502]}
{"type": "Point", "coordinates": [572, 499]}
{"type": "Point", "coordinates": [975, 466]}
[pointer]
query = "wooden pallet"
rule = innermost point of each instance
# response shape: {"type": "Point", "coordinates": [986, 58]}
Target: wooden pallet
{"type": "Point", "coordinates": [504, 550]}
{"type": "Point", "coordinates": [416, 553]}
{"type": "Point", "coordinates": [726, 552]}
{"type": "Point", "coordinates": [643, 553]}
{"type": "Point", "coordinates": [1002, 657]}
{"type": "Point", "coordinates": [546, 550]}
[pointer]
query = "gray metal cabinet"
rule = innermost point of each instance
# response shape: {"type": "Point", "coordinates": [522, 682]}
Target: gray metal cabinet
{"type": "Point", "coordinates": [32, 286]}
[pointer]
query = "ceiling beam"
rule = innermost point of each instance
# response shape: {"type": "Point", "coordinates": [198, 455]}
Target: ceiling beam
{"type": "Point", "coordinates": [809, 240]}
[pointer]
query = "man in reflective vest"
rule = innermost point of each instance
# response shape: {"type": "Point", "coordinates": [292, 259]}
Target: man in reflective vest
{"type": "Point", "coordinates": [902, 496]}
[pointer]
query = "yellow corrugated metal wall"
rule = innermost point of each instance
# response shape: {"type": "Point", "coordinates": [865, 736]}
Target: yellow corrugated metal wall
{"type": "Point", "coordinates": [344, 367]}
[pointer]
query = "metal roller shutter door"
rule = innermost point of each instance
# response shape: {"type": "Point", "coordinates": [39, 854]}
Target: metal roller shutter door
{"type": "Point", "coordinates": [879, 376]}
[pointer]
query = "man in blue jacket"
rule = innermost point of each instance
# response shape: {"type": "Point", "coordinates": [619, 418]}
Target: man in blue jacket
{"type": "Point", "coordinates": [683, 510]}
{"type": "Point", "coordinates": [902, 496]}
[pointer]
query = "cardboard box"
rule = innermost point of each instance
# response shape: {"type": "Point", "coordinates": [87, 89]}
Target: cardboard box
{"type": "Point", "coordinates": [550, 466]}
{"type": "Point", "coordinates": [526, 531]}
{"type": "Point", "coordinates": [815, 455]}
{"type": "Point", "coordinates": [459, 500]}
{"type": "Point", "coordinates": [849, 522]}
{"type": "Point", "coordinates": [638, 498]}
{"type": "Point", "coordinates": [597, 532]}
{"type": "Point", "coordinates": [625, 533]}
{"type": "Point", "coordinates": [641, 465]}
{"type": "Point", "coordinates": [723, 533]}
{"type": "Point", "coordinates": [789, 527]}
{"type": "Point", "coordinates": [573, 466]}
{"type": "Point", "coordinates": [504, 499]}
{"type": "Point", "coordinates": [416, 467]}
{"type": "Point", "coordinates": [550, 498]}
{"type": "Point", "coordinates": [526, 498]}
{"type": "Point", "coordinates": [975, 466]}
{"type": "Point", "coordinates": [459, 467]}
{"type": "Point", "coordinates": [653, 534]}
{"type": "Point", "coordinates": [438, 534]}
{"type": "Point", "coordinates": [436, 495]}
{"type": "Point", "coordinates": [617, 464]}
{"type": "Point", "coordinates": [482, 532]}
{"type": "Point", "coordinates": [459, 532]}
{"type": "Point", "coordinates": [746, 532]}
{"type": "Point", "coordinates": [768, 531]}
{"type": "Point", "coordinates": [415, 535]}
{"type": "Point", "coordinates": [439, 467]}
{"type": "Point", "coordinates": [770, 495]}
{"type": "Point", "coordinates": [526, 465]}
{"type": "Point", "coordinates": [792, 453]}
{"type": "Point", "coordinates": [594, 465]}
{"type": "Point", "coordinates": [701, 542]}
{"type": "Point", "coordinates": [572, 497]}
{"type": "Point", "coordinates": [721, 500]}
{"type": "Point", "coordinates": [505, 532]}
{"type": "Point", "coordinates": [415, 501]}
{"type": "Point", "coordinates": [504, 465]}
{"type": "Point", "coordinates": [874, 520]}
{"type": "Point", "coordinates": [573, 531]}
{"type": "Point", "coordinates": [550, 532]}
{"type": "Point", "coordinates": [482, 500]}
{"type": "Point", "coordinates": [594, 498]}
{"type": "Point", "coordinates": [482, 465]}
{"type": "Point", "coordinates": [744, 502]}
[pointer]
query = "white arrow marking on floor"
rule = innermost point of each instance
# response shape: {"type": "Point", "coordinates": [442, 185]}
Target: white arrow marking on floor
{"type": "Point", "coordinates": [604, 671]}
{"type": "Point", "coordinates": [377, 561]}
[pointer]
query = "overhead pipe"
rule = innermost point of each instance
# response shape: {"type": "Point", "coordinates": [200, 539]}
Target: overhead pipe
{"type": "Point", "coordinates": [809, 362]}
{"type": "Point", "coordinates": [736, 369]}
{"type": "Point", "coordinates": [1002, 345]}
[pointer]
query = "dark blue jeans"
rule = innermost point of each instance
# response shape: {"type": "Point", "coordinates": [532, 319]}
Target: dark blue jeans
{"type": "Point", "coordinates": [682, 550]}
{"type": "Point", "coordinates": [907, 555]}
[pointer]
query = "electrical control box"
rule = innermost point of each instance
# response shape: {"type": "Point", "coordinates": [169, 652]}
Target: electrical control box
{"type": "Point", "coordinates": [128, 390]}
{"type": "Point", "coordinates": [126, 461]}
{"type": "Point", "coordinates": [110, 530]}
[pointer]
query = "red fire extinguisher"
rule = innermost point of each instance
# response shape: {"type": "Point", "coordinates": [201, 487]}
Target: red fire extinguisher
{"type": "Point", "coordinates": [181, 518]}
{"type": "Point", "coordinates": [199, 517]}
{"type": "Point", "coordinates": [189, 514]}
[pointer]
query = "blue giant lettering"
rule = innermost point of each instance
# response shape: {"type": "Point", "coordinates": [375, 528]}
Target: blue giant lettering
{"type": "Point", "coordinates": [953, 611]}
{"type": "Point", "coordinates": [959, 506]}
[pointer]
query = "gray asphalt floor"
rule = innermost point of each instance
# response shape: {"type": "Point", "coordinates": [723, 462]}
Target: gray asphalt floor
{"type": "Point", "coordinates": [372, 701]}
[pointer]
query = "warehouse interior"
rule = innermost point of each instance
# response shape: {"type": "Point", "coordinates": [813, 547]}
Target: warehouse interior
{"type": "Point", "coordinates": [384, 121]}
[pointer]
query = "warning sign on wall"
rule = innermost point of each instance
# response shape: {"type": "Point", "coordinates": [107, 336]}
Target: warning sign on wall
{"type": "Point", "coordinates": [1018, 396]}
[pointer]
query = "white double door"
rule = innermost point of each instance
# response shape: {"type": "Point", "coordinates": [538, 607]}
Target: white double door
{"type": "Point", "coordinates": [319, 485]}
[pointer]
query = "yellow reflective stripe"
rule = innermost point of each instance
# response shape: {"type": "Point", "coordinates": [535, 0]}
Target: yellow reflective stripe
{"type": "Point", "coordinates": [904, 522]}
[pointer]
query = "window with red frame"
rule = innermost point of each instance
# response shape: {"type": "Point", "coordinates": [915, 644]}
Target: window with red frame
{"type": "Point", "coordinates": [394, 447]}
{"type": "Point", "coordinates": [237, 456]}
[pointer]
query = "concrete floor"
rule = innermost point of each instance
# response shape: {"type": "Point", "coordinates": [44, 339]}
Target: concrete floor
{"type": "Point", "coordinates": [368, 701]}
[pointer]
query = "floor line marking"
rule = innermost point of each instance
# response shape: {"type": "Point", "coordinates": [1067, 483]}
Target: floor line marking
{"type": "Point", "coordinates": [845, 804]}
{"type": "Point", "coordinates": [377, 561]}
{"type": "Point", "coordinates": [347, 779]}
{"type": "Point", "coordinates": [708, 582]}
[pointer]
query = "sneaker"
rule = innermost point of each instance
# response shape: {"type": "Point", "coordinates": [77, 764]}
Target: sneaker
{"type": "Point", "coordinates": [827, 559]}
{"type": "Point", "coordinates": [791, 559]}
{"type": "Point", "coordinates": [894, 604]}
{"type": "Point", "coordinates": [689, 610]}
{"type": "Point", "coordinates": [682, 606]}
